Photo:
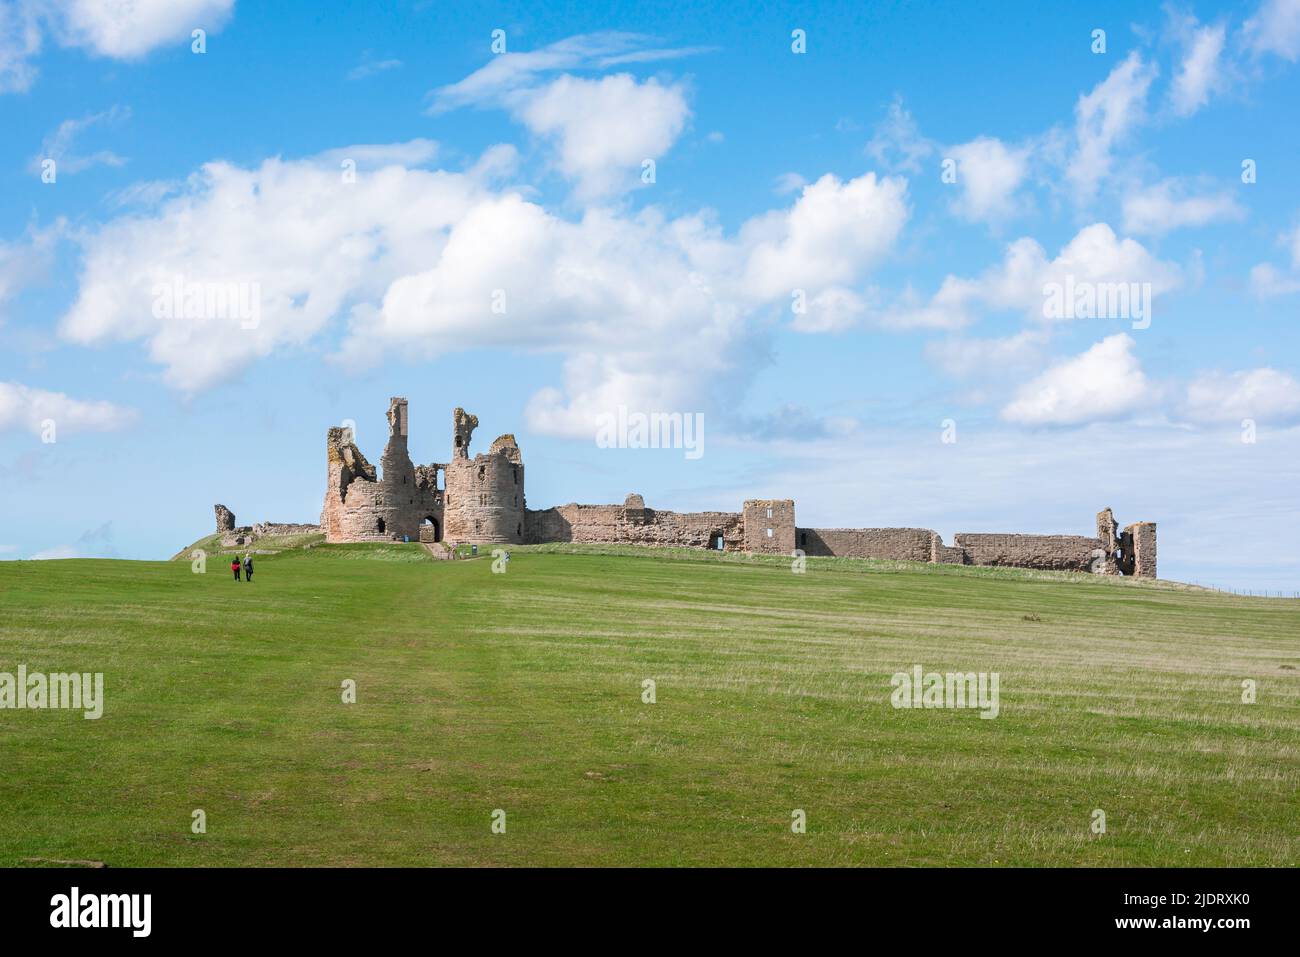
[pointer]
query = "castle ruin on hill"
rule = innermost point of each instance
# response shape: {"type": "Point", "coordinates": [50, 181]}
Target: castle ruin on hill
{"type": "Point", "coordinates": [482, 500]}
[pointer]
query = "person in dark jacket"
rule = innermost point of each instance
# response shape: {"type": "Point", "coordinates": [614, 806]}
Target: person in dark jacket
{"type": "Point", "coordinates": [248, 567]}
{"type": "Point", "coordinates": [234, 567]}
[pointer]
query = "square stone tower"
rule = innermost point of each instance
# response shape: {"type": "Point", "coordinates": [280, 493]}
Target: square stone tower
{"type": "Point", "coordinates": [1141, 540]}
{"type": "Point", "coordinates": [769, 526]}
{"type": "Point", "coordinates": [363, 503]}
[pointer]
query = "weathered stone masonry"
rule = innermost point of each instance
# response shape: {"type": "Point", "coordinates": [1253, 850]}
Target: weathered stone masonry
{"type": "Point", "coordinates": [233, 536]}
{"type": "Point", "coordinates": [482, 500]}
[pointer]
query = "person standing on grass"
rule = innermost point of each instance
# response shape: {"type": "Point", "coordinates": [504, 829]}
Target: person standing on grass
{"type": "Point", "coordinates": [248, 567]}
{"type": "Point", "coordinates": [234, 567]}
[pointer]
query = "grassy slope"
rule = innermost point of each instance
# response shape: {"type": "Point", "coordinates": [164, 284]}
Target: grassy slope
{"type": "Point", "coordinates": [523, 691]}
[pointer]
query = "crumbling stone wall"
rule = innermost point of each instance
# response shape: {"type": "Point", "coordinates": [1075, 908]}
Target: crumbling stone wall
{"type": "Point", "coordinates": [243, 535]}
{"type": "Point", "coordinates": [1130, 552]}
{"type": "Point", "coordinates": [898, 544]}
{"type": "Point", "coordinates": [941, 554]}
{"type": "Point", "coordinates": [634, 524]}
{"type": "Point", "coordinates": [1107, 543]}
{"type": "Point", "coordinates": [262, 529]}
{"type": "Point", "coordinates": [1110, 553]}
{"type": "Point", "coordinates": [234, 536]}
{"type": "Point", "coordinates": [1063, 553]}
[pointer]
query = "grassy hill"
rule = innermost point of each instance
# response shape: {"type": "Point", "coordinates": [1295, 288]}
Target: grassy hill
{"type": "Point", "coordinates": [523, 691]}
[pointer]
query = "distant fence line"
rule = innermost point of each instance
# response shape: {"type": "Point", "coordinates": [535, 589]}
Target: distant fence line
{"type": "Point", "coordinates": [1249, 593]}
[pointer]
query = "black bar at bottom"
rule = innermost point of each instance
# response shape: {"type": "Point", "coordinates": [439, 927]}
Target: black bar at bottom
{"type": "Point", "coordinates": [927, 907]}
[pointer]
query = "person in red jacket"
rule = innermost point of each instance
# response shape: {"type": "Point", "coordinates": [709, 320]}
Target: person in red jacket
{"type": "Point", "coordinates": [234, 567]}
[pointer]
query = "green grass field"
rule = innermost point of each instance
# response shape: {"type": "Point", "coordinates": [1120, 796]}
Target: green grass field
{"type": "Point", "coordinates": [523, 691]}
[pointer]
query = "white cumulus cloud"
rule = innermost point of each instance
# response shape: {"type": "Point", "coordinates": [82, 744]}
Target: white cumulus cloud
{"type": "Point", "coordinates": [1095, 256]}
{"type": "Point", "coordinates": [603, 130]}
{"type": "Point", "coordinates": [643, 310]}
{"type": "Point", "coordinates": [1104, 382]}
{"type": "Point", "coordinates": [119, 29]}
{"type": "Point", "coordinates": [127, 29]}
{"type": "Point", "coordinates": [600, 130]}
{"type": "Point", "coordinates": [832, 231]}
{"type": "Point", "coordinates": [988, 174]}
{"type": "Point", "coordinates": [292, 238]}
{"type": "Point", "coordinates": [23, 408]}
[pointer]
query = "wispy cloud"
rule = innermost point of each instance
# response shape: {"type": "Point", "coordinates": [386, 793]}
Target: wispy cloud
{"type": "Point", "coordinates": [509, 72]}
{"type": "Point", "coordinates": [1275, 28]}
{"type": "Point", "coordinates": [369, 66]}
{"type": "Point", "coordinates": [414, 152]}
{"type": "Point", "coordinates": [1104, 117]}
{"type": "Point", "coordinates": [1173, 204]}
{"type": "Point", "coordinates": [1266, 280]}
{"type": "Point", "coordinates": [1201, 73]}
{"type": "Point", "coordinates": [20, 41]}
{"type": "Point", "coordinates": [896, 143]}
{"type": "Point", "coordinates": [93, 543]}
{"type": "Point", "coordinates": [60, 145]}
{"type": "Point", "coordinates": [26, 260]}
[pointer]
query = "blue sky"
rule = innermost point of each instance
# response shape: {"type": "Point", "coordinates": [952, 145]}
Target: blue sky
{"type": "Point", "coordinates": [917, 178]}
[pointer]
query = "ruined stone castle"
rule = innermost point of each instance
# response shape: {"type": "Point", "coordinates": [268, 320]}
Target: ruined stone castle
{"type": "Point", "coordinates": [481, 499]}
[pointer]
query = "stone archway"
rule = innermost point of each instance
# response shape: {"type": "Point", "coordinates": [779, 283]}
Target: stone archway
{"type": "Point", "coordinates": [716, 542]}
{"type": "Point", "coordinates": [430, 530]}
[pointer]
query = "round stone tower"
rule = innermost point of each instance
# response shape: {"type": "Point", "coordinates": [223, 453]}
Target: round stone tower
{"type": "Point", "coordinates": [485, 495]}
